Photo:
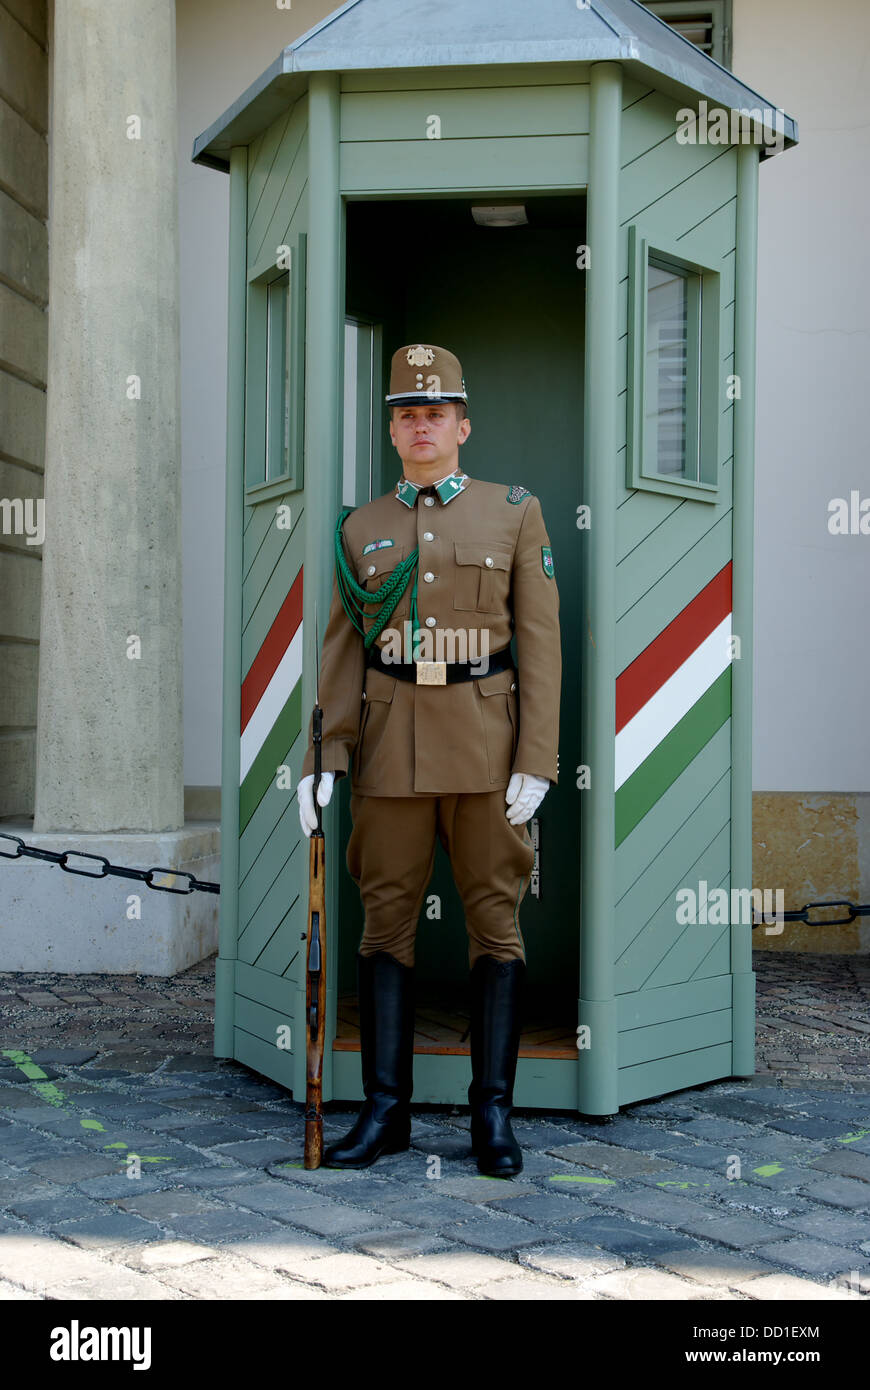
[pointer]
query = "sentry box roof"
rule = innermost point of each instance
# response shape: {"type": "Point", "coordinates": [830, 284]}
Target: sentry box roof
{"type": "Point", "coordinates": [384, 34]}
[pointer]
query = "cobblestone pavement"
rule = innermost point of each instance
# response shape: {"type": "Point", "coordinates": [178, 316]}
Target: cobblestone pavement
{"type": "Point", "coordinates": [737, 1190]}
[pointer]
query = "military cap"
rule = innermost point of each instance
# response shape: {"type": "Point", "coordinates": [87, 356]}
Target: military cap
{"type": "Point", "coordinates": [422, 374]}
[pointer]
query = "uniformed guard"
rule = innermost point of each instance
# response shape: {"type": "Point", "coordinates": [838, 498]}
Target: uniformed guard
{"type": "Point", "coordinates": [443, 738]}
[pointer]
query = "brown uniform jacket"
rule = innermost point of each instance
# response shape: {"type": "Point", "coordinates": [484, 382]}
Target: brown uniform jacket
{"type": "Point", "coordinates": [482, 569]}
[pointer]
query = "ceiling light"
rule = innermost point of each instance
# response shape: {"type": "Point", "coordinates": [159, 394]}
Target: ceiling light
{"type": "Point", "coordinates": [506, 215]}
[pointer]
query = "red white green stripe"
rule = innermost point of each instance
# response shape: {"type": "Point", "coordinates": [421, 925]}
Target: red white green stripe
{"type": "Point", "coordinates": [271, 706]}
{"type": "Point", "coordinates": [671, 700]}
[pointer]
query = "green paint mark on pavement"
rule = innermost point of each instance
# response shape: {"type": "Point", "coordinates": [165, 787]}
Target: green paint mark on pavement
{"type": "Point", "coordinates": [92, 1124]}
{"type": "Point", "coordinates": [571, 1177]}
{"type": "Point", "coordinates": [769, 1170]}
{"type": "Point", "coordinates": [850, 1138]}
{"type": "Point", "coordinates": [51, 1093]}
{"type": "Point", "coordinates": [117, 1145]}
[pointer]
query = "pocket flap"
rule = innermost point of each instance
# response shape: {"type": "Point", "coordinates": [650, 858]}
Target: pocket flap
{"type": "Point", "coordinates": [498, 684]}
{"type": "Point", "coordinates": [491, 555]}
{"type": "Point", "coordinates": [379, 686]}
{"type": "Point", "coordinates": [379, 562]}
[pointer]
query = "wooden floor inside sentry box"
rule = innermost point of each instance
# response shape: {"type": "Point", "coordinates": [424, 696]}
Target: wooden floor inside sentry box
{"type": "Point", "coordinates": [445, 1030]}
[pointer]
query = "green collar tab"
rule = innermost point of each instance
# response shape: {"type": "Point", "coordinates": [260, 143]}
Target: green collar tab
{"type": "Point", "coordinates": [446, 488]}
{"type": "Point", "coordinates": [516, 493]}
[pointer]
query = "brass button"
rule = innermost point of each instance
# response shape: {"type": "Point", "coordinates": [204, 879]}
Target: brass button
{"type": "Point", "coordinates": [371, 569]}
{"type": "Point", "coordinates": [430, 622]}
{"type": "Point", "coordinates": [428, 576]}
{"type": "Point", "coordinates": [427, 536]}
{"type": "Point", "coordinates": [513, 686]}
{"type": "Point", "coordinates": [488, 562]}
{"type": "Point", "coordinates": [428, 501]}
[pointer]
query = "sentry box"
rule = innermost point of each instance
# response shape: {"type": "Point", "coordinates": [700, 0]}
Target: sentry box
{"type": "Point", "coordinates": [565, 197]}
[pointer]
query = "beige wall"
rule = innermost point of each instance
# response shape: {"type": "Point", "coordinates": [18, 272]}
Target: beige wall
{"type": "Point", "coordinates": [222, 47]}
{"type": "Point", "coordinates": [24, 97]}
{"type": "Point", "coordinates": [812, 656]}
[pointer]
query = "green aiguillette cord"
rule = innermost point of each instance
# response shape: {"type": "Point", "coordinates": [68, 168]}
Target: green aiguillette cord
{"type": "Point", "coordinates": [355, 596]}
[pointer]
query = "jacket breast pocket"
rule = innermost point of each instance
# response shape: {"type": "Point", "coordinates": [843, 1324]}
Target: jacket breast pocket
{"type": "Point", "coordinates": [373, 572]}
{"type": "Point", "coordinates": [482, 576]}
{"type": "Point", "coordinates": [374, 569]}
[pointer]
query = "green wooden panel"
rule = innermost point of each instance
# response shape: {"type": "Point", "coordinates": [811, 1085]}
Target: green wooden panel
{"type": "Point", "coordinates": [265, 1058]}
{"type": "Point", "coordinates": [465, 113]}
{"type": "Point", "coordinates": [273, 830]}
{"type": "Point", "coordinates": [275, 836]}
{"type": "Point", "coordinates": [641, 867]}
{"type": "Point", "coordinates": [634, 91]}
{"type": "Point", "coordinates": [266, 988]}
{"type": "Point", "coordinates": [286, 178]}
{"type": "Point", "coordinates": [546, 1084]}
{"type": "Point", "coordinates": [256, 146]}
{"type": "Point", "coordinates": [286, 947]}
{"type": "Point", "coordinates": [441, 166]}
{"type": "Point", "coordinates": [653, 949]}
{"type": "Point", "coordinates": [639, 516]}
{"type": "Point", "coordinates": [677, 1073]}
{"type": "Point", "coordinates": [262, 158]}
{"type": "Point", "coordinates": [690, 947]}
{"type": "Point", "coordinates": [270, 580]}
{"type": "Point", "coordinates": [648, 120]}
{"type": "Point", "coordinates": [721, 957]}
{"type": "Point", "coordinates": [653, 935]}
{"type": "Point", "coordinates": [263, 1022]}
{"type": "Point", "coordinates": [662, 1041]}
{"type": "Point", "coordinates": [654, 1006]}
{"type": "Point", "coordinates": [271, 839]}
{"type": "Point", "coordinates": [262, 524]}
{"type": "Point", "coordinates": [262, 907]}
{"type": "Point", "coordinates": [672, 537]}
{"type": "Point", "coordinates": [290, 217]}
{"type": "Point", "coordinates": [449, 79]}
{"type": "Point", "coordinates": [672, 186]}
{"type": "Point", "coordinates": [678, 585]}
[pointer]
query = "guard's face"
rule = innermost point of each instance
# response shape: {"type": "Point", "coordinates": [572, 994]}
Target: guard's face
{"type": "Point", "coordinates": [428, 435]}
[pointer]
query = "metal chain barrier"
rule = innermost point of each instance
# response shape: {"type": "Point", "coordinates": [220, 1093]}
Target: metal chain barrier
{"type": "Point", "coordinates": [802, 914]}
{"type": "Point", "coordinates": [142, 875]}
{"type": "Point", "coordinates": [146, 876]}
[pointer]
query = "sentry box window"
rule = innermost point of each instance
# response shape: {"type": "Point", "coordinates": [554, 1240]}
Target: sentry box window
{"type": "Point", "coordinates": [275, 365]}
{"type": "Point", "coordinates": [674, 378]}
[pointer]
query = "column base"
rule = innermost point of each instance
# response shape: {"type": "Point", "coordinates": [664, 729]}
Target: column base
{"type": "Point", "coordinates": [52, 920]}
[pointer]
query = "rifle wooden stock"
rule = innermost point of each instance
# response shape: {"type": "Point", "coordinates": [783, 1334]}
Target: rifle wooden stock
{"type": "Point", "coordinates": [315, 999]}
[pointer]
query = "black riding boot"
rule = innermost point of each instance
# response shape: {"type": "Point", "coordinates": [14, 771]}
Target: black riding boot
{"type": "Point", "coordinates": [496, 997]}
{"type": "Point", "coordinates": [386, 1027]}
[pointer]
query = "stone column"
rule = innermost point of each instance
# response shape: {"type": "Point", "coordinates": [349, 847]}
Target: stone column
{"type": "Point", "coordinates": [109, 740]}
{"type": "Point", "coordinates": [109, 770]}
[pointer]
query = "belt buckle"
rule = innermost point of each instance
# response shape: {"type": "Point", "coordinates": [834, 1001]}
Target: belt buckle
{"type": "Point", "coordinates": [431, 672]}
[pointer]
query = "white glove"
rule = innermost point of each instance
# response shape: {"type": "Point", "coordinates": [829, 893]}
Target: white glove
{"type": "Point", "coordinates": [524, 795]}
{"type": "Point", "coordinates": [305, 795]}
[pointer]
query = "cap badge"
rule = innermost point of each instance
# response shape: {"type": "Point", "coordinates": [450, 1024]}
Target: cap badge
{"type": "Point", "coordinates": [420, 356]}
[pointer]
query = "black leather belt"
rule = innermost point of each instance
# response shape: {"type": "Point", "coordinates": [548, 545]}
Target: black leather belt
{"type": "Point", "coordinates": [454, 671]}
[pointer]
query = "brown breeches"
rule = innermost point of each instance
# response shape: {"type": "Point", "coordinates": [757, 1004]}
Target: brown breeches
{"type": "Point", "coordinates": [391, 852]}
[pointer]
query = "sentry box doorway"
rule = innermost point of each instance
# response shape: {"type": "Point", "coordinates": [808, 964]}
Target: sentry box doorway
{"type": "Point", "coordinates": [608, 341]}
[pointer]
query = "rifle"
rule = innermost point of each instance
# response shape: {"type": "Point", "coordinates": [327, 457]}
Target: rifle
{"type": "Point", "coordinates": [315, 959]}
